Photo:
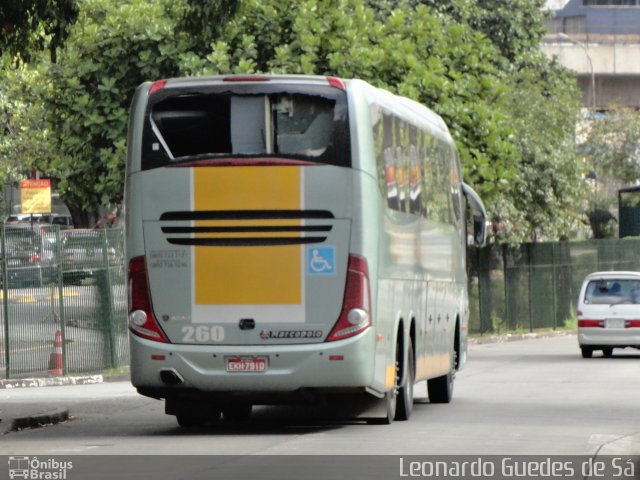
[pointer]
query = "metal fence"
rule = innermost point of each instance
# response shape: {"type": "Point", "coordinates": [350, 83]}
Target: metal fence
{"type": "Point", "coordinates": [536, 285]}
{"type": "Point", "coordinates": [62, 299]}
{"type": "Point", "coordinates": [63, 305]}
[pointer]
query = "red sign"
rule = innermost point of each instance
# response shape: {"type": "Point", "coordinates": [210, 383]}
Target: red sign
{"type": "Point", "coordinates": [35, 195]}
{"type": "Point", "coordinates": [40, 183]}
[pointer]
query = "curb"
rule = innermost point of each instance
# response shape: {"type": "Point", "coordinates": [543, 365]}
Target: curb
{"type": "Point", "coordinates": [38, 420]}
{"type": "Point", "coordinates": [49, 417]}
{"type": "Point", "coordinates": [627, 445]}
{"type": "Point", "coordinates": [51, 381]}
{"type": "Point", "coordinates": [514, 337]}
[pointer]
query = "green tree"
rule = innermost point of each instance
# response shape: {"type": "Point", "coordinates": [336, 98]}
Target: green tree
{"type": "Point", "coordinates": [27, 26]}
{"type": "Point", "coordinates": [612, 153]}
{"type": "Point", "coordinates": [613, 144]}
{"type": "Point", "coordinates": [110, 50]}
{"type": "Point", "coordinates": [488, 83]}
{"type": "Point", "coordinates": [515, 27]}
{"type": "Point", "coordinates": [475, 63]}
{"type": "Point", "coordinates": [444, 64]}
{"type": "Point", "coordinates": [541, 102]}
{"type": "Point", "coordinates": [23, 138]}
{"type": "Point", "coordinates": [550, 175]}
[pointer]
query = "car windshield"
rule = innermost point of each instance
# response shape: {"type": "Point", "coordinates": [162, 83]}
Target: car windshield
{"type": "Point", "coordinates": [612, 291]}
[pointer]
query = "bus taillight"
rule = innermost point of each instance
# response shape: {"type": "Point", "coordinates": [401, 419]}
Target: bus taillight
{"type": "Point", "coordinates": [142, 321]}
{"type": "Point", "coordinates": [337, 83]}
{"type": "Point", "coordinates": [159, 85]}
{"type": "Point", "coordinates": [355, 316]}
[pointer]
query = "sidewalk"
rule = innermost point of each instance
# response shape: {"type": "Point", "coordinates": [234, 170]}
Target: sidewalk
{"type": "Point", "coordinates": [16, 417]}
{"type": "Point", "coordinates": [513, 337]}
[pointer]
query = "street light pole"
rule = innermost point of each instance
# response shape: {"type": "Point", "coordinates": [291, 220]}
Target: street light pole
{"type": "Point", "coordinates": [564, 36]}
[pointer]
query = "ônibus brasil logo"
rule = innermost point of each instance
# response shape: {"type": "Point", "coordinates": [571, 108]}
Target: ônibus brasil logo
{"type": "Point", "coordinates": [34, 469]}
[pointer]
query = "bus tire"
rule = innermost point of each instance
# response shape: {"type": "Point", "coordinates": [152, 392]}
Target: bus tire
{"type": "Point", "coordinates": [237, 413]}
{"type": "Point", "coordinates": [404, 405]}
{"type": "Point", "coordinates": [192, 414]}
{"type": "Point", "coordinates": [189, 421]}
{"type": "Point", "coordinates": [391, 400]}
{"type": "Point", "coordinates": [391, 396]}
{"type": "Point", "coordinates": [440, 389]}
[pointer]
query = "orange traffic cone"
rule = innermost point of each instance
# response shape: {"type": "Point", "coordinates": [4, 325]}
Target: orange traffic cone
{"type": "Point", "coordinates": [55, 359]}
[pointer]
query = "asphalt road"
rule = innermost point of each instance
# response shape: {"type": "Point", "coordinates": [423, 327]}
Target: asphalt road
{"type": "Point", "coordinates": [534, 397]}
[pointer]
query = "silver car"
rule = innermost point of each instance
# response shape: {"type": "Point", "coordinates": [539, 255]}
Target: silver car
{"type": "Point", "coordinates": [609, 312]}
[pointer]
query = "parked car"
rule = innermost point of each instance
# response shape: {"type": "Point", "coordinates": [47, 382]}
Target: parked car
{"type": "Point", "coordinates": [27, 259]}
{"type": "Point", "coordinates": [84, 253]}
{"type": "Point", "coordinates": [63, 221]}
{"type": "Point", "coordinates": [609, 312]}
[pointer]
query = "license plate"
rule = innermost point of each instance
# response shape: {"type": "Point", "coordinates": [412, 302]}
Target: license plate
{"type": "Point", "coordinates": [615, 323]}
{"type": "Point", "coordinates": [246, 364]}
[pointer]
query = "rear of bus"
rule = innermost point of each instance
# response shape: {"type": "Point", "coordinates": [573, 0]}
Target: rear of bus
{"type": "Point", "coordinates": [248, 283]}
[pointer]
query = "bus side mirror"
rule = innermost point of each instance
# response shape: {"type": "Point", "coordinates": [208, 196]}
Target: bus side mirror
{"type": "Point", "coordinates": [479, 214]}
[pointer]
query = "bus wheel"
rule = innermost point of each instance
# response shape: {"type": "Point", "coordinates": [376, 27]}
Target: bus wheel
{"type": "Point", "coordinates": [405, 395]}
{"type": "Point", "coordinates": [440, 389]}
{"type": "Point", "coordinates": [237, 413]}
{"type": "Point", "coordinates": [607, 352]}
{"type": "Point", "coordinates": [189, 421]}
{"type": "Point", "coordinates": [390, 400]}
{"type": "Point", "coordinates": [191, 415]}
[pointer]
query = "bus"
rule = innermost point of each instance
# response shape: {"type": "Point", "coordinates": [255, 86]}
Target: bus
{"type": "Point", "coordinates": [294, 239]}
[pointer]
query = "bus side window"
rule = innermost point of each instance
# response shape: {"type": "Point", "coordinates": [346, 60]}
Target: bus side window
{"type": "Point", "coordinates": [415, 182]}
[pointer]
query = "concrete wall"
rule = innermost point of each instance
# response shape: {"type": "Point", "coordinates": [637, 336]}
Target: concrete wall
{"type": "Point", "coordinates": [605, 51]}
{"type": "Point", "coordinates": [607, 58]}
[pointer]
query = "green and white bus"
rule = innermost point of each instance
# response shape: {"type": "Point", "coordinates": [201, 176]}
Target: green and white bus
{"type": "Point", "coordinates": [293, 239]}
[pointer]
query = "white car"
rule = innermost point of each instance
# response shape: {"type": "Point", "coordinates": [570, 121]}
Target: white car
{"type": "Point", "coordinates": [609, 312]}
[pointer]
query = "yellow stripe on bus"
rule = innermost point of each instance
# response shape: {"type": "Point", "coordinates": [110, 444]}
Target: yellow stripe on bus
{"type": "Point", "coordinates": [254, 275]}
{"type": "Point", "coordinates": [390, 376]}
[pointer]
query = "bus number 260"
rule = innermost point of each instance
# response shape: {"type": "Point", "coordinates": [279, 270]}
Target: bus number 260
{"type": "Point", "coordinates": [202, 334]}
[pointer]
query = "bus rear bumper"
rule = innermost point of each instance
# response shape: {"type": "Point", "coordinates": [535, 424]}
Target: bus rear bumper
{"type": "Point", "coordinates": [293, 374]}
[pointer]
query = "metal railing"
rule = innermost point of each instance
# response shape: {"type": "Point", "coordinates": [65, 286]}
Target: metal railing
{"type": "Point", "coordinates": [63, 300]}
{"type": "Point", "coordinates": [64, 307]}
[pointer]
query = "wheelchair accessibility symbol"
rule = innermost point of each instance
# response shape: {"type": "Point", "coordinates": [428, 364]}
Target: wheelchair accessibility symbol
{"type": "Point", "coordinates": [321, 261]}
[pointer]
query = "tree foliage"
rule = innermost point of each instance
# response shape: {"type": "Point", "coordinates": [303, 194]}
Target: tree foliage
{"type": "Point", "coordinates": [410, 51]}
{"type": "Point", "coordinates": [27, 26]}
{"type": "Point", "coordinates": [26, 141]}
{"type": "Point", "coordinates": [612, 149]}
{"type": "Point", "coordinates": [112, 48]}
{"type": "Point", "coordinates": [515, 27]}
{"type": "Point", "coordinates": [475, 63]}
{"type": "Point", "coordinates": [613, 144]}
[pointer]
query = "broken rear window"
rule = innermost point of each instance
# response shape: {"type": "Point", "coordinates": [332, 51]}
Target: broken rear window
{"type": "Point", "coordinates": [248, 122]}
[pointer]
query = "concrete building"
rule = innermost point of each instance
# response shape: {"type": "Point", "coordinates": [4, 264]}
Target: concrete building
{"type": "Point", "coordinates": [600, 40]}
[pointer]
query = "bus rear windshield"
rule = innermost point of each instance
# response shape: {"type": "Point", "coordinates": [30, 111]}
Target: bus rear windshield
{"type": "Point", "coordinates": [307, 125]}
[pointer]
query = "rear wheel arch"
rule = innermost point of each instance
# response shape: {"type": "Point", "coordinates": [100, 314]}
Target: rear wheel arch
{"type": "Point", "coordinates": [407, 373]}
{"type": "Point", "coordinates": [404, 337]}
